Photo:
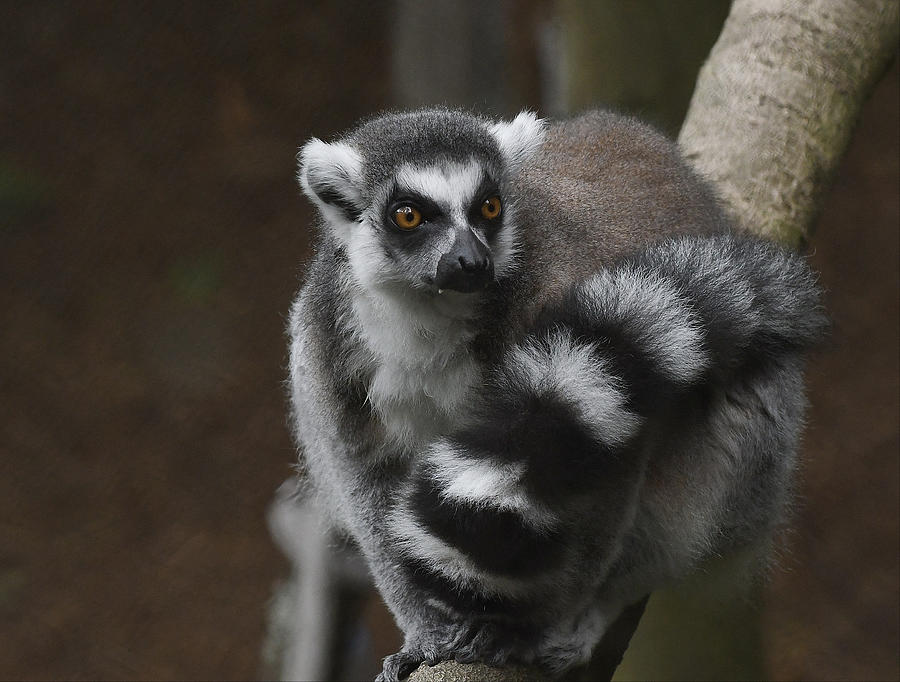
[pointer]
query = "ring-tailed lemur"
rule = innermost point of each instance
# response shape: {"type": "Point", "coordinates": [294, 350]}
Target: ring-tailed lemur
{"type": "Point", "coordinates": [536, 374]}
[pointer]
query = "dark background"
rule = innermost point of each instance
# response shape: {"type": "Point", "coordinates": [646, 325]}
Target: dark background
{"type": "Point", "coordinates": [151, 238]}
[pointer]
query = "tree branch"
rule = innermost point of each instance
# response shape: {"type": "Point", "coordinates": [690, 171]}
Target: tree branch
{"type": "Point", "coordinates": [777, 100]}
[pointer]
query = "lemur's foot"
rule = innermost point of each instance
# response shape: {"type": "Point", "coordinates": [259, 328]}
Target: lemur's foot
{"type": "Point", "coordinates": [490, 645]}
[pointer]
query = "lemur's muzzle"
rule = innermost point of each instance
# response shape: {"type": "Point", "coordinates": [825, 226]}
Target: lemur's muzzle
{"type": "Point", "coordinates": [467, 266]}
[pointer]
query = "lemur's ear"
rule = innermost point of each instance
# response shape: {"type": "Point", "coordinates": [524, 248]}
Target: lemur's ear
{"type": "Point", "coordinates": [519, 138]}
{"type": "Point", "coordinates": [331, 176]}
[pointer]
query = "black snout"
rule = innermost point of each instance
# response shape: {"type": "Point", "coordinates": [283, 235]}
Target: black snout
{"type": "Point", "coordinates": [466, 267]}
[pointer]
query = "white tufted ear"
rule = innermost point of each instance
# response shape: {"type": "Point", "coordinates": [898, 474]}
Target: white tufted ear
{"type": "Point", "coordinates": [331, 176]}
{"type": "Point", "coordinates": [519, 138]}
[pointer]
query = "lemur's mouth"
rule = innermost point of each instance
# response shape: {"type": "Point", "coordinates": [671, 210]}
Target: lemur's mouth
{"type": "Point", "coordinates": [465, 281]}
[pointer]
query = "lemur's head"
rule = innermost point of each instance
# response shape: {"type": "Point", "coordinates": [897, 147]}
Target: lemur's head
{"type": "Point", "coordinates": [421, 199]}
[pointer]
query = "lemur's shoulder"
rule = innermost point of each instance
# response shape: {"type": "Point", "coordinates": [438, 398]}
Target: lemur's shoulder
{"type": "Point", "coordinates": [318, 327]}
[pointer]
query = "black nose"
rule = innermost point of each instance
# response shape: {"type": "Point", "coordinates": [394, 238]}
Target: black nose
{"type": "Point", "coordinates": [466, 267]}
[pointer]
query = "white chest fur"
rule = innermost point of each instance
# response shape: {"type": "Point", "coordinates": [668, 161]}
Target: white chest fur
{"type": "Point", "coordinates": [423, 367]}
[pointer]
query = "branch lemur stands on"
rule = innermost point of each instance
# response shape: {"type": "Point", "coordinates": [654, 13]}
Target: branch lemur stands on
{"type": "Point", "coordinates": [536, 373]}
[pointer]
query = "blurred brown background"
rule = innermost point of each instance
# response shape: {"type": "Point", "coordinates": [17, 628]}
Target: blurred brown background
{"type": "Point", "coordinates": [151, 238]}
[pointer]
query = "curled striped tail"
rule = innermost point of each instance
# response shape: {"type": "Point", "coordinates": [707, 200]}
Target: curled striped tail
{"type": "Point", "coordinates": [494, 513]}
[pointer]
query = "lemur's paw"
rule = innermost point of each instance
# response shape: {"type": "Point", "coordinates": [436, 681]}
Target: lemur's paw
{"type": "Point", "coordinates": [398, 666]}
{"type": "Point", "coordinates": [430, 649]}
{"type": "Point", "coordinates": [487, 643]}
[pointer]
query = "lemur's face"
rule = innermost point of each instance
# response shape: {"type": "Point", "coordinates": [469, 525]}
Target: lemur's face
{"type": "Point", "coordinates": [420, 200]}
{"type": "Point", "coordinates": [441, 226]}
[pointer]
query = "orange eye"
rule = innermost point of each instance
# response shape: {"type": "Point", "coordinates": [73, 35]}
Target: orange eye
{"type": "Point", "coordinates": [490, 209]}
{"type": "Point", "coordinates": [407, 218]}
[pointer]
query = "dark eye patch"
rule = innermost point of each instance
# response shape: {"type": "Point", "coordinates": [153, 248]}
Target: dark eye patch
{"type": "Point", "coordinates": [487, 189]}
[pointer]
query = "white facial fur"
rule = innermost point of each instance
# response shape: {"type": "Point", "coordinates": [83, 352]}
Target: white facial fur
{"type": "Point", "coordinates": [449, 184]}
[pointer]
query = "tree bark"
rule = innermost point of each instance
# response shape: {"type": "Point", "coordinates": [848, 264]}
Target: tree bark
{"type": "Point", "coordinates": [777, 100]}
